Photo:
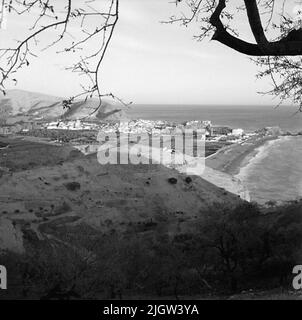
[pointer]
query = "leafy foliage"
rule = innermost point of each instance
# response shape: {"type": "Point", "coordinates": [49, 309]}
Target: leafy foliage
{"type": "Point", "coordinates": [229, 251]}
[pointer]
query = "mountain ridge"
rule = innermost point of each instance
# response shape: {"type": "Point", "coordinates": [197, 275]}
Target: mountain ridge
{"type": "Point", "coordinates": [39, 105]}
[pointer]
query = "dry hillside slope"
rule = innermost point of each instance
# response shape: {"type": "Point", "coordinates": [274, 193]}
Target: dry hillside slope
{"type": "Point", "coordinates": [41, 199]}
{"type": "Point", "coordinates": [38, 105]}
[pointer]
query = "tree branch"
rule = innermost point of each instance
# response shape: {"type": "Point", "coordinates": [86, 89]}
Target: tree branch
{"type": "Point", "coordinates": [221, 35]}
{"type": "Point", "coordinates": [255, 22]}
{"type": "Point", "coordinates": [277, 48]}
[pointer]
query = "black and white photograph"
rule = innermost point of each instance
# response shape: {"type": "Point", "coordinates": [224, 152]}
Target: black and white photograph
{"type": "Point", "coordinates": [150, 150]}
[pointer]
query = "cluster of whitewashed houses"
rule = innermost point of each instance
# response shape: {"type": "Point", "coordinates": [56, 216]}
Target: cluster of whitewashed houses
{"type": "Point", "coordinates": [134, 126]}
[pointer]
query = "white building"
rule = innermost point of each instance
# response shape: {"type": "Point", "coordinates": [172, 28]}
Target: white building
{"type": "Point", "coordinates": [237, 132]}
{"type": "Point", "coordinates": [78, 124]}
{"type": "Point", "coordinates": [52, 125]}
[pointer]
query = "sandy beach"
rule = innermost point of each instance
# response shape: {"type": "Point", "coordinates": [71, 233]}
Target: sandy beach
{"type": "Point", "coordinates": [231, 158]}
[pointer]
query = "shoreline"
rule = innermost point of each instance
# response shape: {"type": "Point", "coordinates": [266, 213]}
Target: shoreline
{"type": "Point", "coordinates": [232, 159]}
{"type": "Point", "coordinates": [258, 153]}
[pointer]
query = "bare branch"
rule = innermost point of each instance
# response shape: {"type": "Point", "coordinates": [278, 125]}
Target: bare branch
{"type": "Point", "coordinates": [97, 37]}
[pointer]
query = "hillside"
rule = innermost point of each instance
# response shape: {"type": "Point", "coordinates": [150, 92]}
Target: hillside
{"type": "Point", "coordinates": [37, 105]}
{"type": "Point", "coordinates": [70, 228]}
{"type": "Point", "coordinates": [109, 111]}
{"type": "Point", "coordinates": [70, 190]}
{"type": "Point", "coordinates": [25, 102]}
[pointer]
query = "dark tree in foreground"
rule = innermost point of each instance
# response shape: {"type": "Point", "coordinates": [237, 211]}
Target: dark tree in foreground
{"type": "Point", "coordinates": [216, 16]}
{"type": "Point", "coordinates": [277, 29]}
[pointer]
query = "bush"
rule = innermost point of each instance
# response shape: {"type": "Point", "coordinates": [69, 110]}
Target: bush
{"type": "Point", "coordinates": [188, 180]}
{"type": "Point", "coordinates": [72, 186]}
{"type": "Point", "coordinates": [230, 250]}
{"type": "Point", "coordinates": [250, 248]}
{"type": "Point", "coordinates": [172, 180]}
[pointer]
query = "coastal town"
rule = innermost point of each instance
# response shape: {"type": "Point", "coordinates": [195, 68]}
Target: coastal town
{"type": "Point", "coordinates": [212, 132]}
{"type": "Point", "coordinates": [83, 134]}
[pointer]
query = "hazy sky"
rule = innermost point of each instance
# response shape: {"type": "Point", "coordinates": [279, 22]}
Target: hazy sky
{"type": "Point", "coordinates": [150, 62]}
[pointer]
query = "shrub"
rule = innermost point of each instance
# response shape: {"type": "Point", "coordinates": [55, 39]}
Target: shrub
{"type": "Point", "coordinates": [230, 249]}
{"type": "Point", "coordinates": [172, 180]}
{"type": "Point", "coordinates": [73, 186]}
{"type": "Point", "coordinates": [188, 180]}
{"type": "Point", "coordinates": [247, 247]}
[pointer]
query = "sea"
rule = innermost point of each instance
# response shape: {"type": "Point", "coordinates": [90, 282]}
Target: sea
{"type": "Point", "coordinates": [274, 171]}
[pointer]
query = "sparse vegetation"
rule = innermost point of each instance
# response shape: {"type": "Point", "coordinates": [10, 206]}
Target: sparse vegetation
{"type": "Point", "coordinates": [24, 155]}
{"type": "Point", "coordinates": [231, 250]}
